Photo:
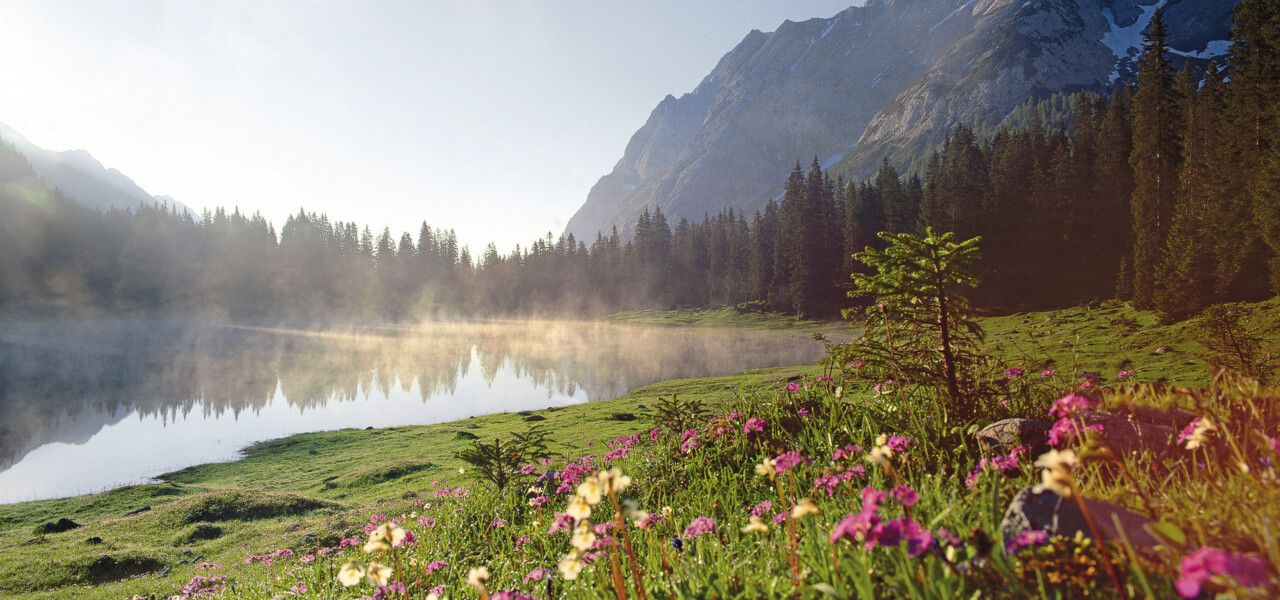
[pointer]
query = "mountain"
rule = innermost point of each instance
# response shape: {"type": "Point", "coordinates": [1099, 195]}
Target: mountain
{"type": "Point", "coordinates": [80, 176]}
{"type": "Point", "coordinates": [887, 79]}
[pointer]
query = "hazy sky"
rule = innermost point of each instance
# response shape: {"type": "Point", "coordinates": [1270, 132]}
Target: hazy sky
{"type": "Point", "coordinates": [493, 118]}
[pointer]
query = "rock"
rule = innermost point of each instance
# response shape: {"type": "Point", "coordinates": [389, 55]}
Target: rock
{"type": "Point", "coordinates": [308, 540]}
{"type": "Point", "coordinates": [313, 451]}
{"type": "Point", "coordinates": [1126, 435]}
{"type": "Point", "coordinates": [163, 572]}
{"type": "Point", "coordinates": [137, 512]}
{"type": "Point", "coordinates": [61, 525]}
{"type": "Point", "coordinates": [187, 552]}
{"type": "Point", "coordinates": [1005, 435]}
{"type": "Point", "coordinates": [1176, 419]}
{"type": "Point", "coordinates": [293, 528]}
{"type": "Point", "coordinates": [93, 540]}
{"type": "Point", "coordinates": [1164, 350]}
{"type": "Point", "coordinates": [789, 376]}
{"type": "Point", "coordinates": [1046, 511]}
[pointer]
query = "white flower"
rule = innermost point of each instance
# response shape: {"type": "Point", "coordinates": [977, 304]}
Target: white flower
{"type": "Point", "coordinates": [766, 468]}
{"type": "Point", "coordinates": [476, 576]}
{"type": "Point", "coordinates": [803, 508]}
{"type": "Point", "coordinates": [378, 574]}
{"type": "Point", "coordinates": [350, 574]}
{"type": "Point", "coordinates": [590, 491]}
{"type": "Point", "coordinates": [881, 455]}
{"type": "Point", "coordinates": [571, 565]}
{"type": "Point", "coordinates": [578, 508]}
{"type": "Point", "coordinates": [583, 537]}
{"type": "Point", "coordinates": [756, 525]}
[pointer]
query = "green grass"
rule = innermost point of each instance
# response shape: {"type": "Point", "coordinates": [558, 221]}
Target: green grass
{"type": "Point", "coordinates": [312, 490]}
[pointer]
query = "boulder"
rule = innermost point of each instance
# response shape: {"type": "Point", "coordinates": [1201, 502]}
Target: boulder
{"type": "Point", "coordinates": [1045, 511]}
{"type": "Point", "coordinates": [59, 526]}
{"type": "Point", "coordinates": [1127, 435]}
{"type": "Point", "coordinates": [1005, 435]}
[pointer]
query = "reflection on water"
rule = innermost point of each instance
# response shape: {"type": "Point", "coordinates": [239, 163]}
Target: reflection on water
{"type": "Point", "coordinates": [87, 405]}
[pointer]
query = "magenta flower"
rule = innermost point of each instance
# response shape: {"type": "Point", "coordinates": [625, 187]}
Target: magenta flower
{"type": "Point", "coordinates": [436, 565]}
{"type": "Point", "coordinates": [871, 499]}
{"type": "Point", "coordinates": [779, 518]}
{"type": "Point", "coordinates": [1067, 428]}
{"type": "Point", "coordinates": [762, 508]}
{"type": "Point", "coordinates": [649, 521]}
{"type": "Point", "coordinates": [1201, 566]}
{"type": "Point", "coordinates": [787, 460]}
{"type": "Point", "coordinates": [426, 522]}
{"type": "Point", "coordinates": [887, 533]}
{"type": "Point", "coordinates": [898, 443]}
{"type": "Point", "coordinates": [753, 424]}
{"type": "Point", "coordinates": [1070, 404]}
{"type": "Point", "coordinates": [654, 433]}
{"type": "Point", "coordinates": [826, 379]}
{"type": "Point", "coordinates": [537, 574]}
{"type": "Point", "coordinates": [700, 526]}
{"type": "Point", "coordinates": [1011, 373]}
{"type": "Point", "coordinates": [1191, 429]}
{"type": "Point", "coordinates": [848, 450]}
{"type": "Point", "coordinates": [688, 433]}
{"type": "Point", "coordinates": [1026, 538]}
{"type": "Point", "coordinates": [498, 523]}
{"type": "Point", "coordinates": [408, 539]}
{"type": "Point", "coordinates": [904, 495]}
{"type": "Point", "coordinates": [1047, 373]}
{"type": "Point", "coordinates": [804, 412]}
{"type": "Point", "coordinates": [561, 522]}
{"type": "Point", "coordinates": [855, 526]}
{"type": "Point", "coordinates": [918, 538]}
{"type": "Point", "coordinates": [689, 445]}
{"type": "Point", "coordinates": [734, 416]}
{"type": "Point", "coordinates": [793, 387]}
{"type": "Point", "coordinates": [528, 470]}
{"type": "Point", "coordinates": [522, 540]}
{"type": "Point", "coordinates": [1124, 374]}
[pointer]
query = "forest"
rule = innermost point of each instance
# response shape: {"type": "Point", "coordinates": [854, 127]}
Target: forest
{"type": "Point", "coordinates": [1164, 192]}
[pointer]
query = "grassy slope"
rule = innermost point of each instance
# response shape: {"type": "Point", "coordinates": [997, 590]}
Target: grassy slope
{"type": "Point", "coordinates": [312, 492]}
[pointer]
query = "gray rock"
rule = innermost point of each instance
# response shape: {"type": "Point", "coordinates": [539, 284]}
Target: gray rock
{"type": "Point", "coordinates": [308, 540]}
{"type": "Point", "coordinates": [1164, 350]}
{"type": "Point", "coordinates": [1005, 435]}
{"type": "Point", "coordinates": [137, 512]}
{"type": "Point", "coordinates": [1046, 511]}
{"type": "Point", "coordinates": [1127, 435]}
{"type": "Point", "coordinates": [93, 540]}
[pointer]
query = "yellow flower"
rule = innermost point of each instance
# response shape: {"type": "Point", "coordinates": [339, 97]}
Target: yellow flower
{"type": "Point", "coordinates": [1056, 476]}
{"type": "Point", "coordinates": [350, 573]}
{"type": "Point", "coordinates": [376, 543]}
{"type": "Point", "coordinates": [804, 508]}
{"type": "Point", "coordinates": [583, 537]}
{"type": "Point", "coordinates": [378, 574]}
{"type": "Point", "coordinates": [766, 468]}
{"type": "Point", "coordinates": [614, 480]}
{"type": "Point", "coordinates": [880, 455]}
{"type": "Point", "coordinates": [756, 525]}
{"type": "Point", "coordinates": [476, 576]}
{"type": "Point", "coordinates": [571, 565]}
{"type": "Point", "coordinates": [578, 508]}
{"type": "Point", "coordinates": [590, 491]}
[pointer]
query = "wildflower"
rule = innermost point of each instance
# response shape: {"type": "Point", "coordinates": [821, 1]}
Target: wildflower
{"type": "Point", "coordinates": [407, 540]}
{"type": "Point", "coordinates": [804, 412]}
{"type": "Point", "coordinates": [1011, 373]}
{"type": "Point", "coordinates": [582, 538]}
{"type": "Point", "coordinates": [382, 538]}
{"type": "Point", "coordinates": [579, 508]}
{"type": "Point", "coordinates": [871, 499]}
{"type": "Point", "coordinates": [1047, 373]}
{"type": "Point", "coordinates": [378, 574]}
{"type": "Point", "coordinates": [590, 491]}
{"type": "Point", "coordinates": [887, 533]}
{"type": "Point", "coordinates": [476, 576]}
{"type": "Point", "coordinates": [753, 424]}
{"type": "Point", "coordinates": [788, 460]}
{"type": "Point", "coordinates": [647, 521]}
{"type": "Point", "coordinates": [826, 379]}
{"type": "Point", "coordinates": [918, 538]}
{"type": "Point", "coordinates": [613, 480]}
{"type": "Point", "coordinates": [571, 565]}
{"type": "Point", "coordinates": [689, 445]}
{"type": "Point", "coordinates": [1066, 428]}
{"type": "Point", "coordinates": [766, 468]}
{"type": "Point", "coordinates": [462, 470]}
{"type": "Point", "coordinates": [848, 450]}
{"type": "Point", "coordinates": [839, 391]}
{"type": "Point", "coordinates": [793, 387]}
{"type": "Point", "coordinates": [1124, 374]}
{"type": "Point", "coordinates": [1196, 433]}
{"type": "Point", "coordinates": [1069, 405]}
{"type": "Point", "coordinates": [688, 433]}
{"type": "Point", "coordinates": [654, 433]}
{"type": "Point", "coordinates": [700, 526]}
{"type": "Point", "coordinates": [395, 589]}
{"type": "Point", "coordinates": [436, 565]}
{"type": "Point", "coordinates": [755, 524]}
{"type": "Point", "coordinates": [896, 443]}
{"type": "Point", "coordinates": [1026, 538]}
{"type": "Point", "coordinates": [537, 574]}
{"type": "Point", "coordinates": [1056, 476]}
{"type": "Point", "coordinates": [904, 495]}
{"type": "Point", "coordinates": [804, 508]}
{"type": "Point", "coordinates": [537, 501]}
{"type": "Point", "coordinates": [854, 526]}
{"type": "Point", "coordinates": [1203, 565]}
{"type": "Point", "coordinates": [880, 455]}
{"type": "Point", "coordinates": [350, 574]}
{"type": "Point", "coordinates": [563, 521]}
{"type": "Point", "coordinates": [734, 416]}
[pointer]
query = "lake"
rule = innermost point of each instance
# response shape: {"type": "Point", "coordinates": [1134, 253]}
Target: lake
{"type": "Point", "coordinates": [88, 405]}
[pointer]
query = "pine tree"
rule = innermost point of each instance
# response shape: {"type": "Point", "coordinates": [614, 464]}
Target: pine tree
{"type": "Point", "coordinates": [1156, 158]}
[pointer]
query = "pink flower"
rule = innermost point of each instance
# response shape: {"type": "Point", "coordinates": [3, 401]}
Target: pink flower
{"type": "Point", "coordinates": [1124, 374]}
{"type": "Point", "coordinates": [854, 526]}
{"type": "Point", "coordinates": [1011, 373]}
{"type": "Point", "coordinates": [688, 433]}
{"type": "Point", "coordinates": [408, 540]}
{"type": "Point", "coordinates": [436, 565]}
{"type": "Point", "coordinates": [787, 460]}
{"type": "Point", "coordinates": [528, 470]}
{"type": "Point", "coordinates": [905, 495]}
{"type": "Point", "coordinates": [537, 574]}
{"type": "Point", "coordinates": [498, 523]}
{"type": "Point", "coordinates": [804, 412]}
{"type": "Point", "coordinates": [848, 450]}
{"type": "Point", "coordinates": [689, 445]}
{"type": "Point", "coordinates": [590, 442]}
{"type": "Point", "coordinates": [700, 526]}
{"type": "Point", "coordinates": [1067, 428]}
{"type": "Point", "coordinates": [1047, 373]}
{"type": "Point", "coordinates": [753, 424]}
{"type": "Point", "coordinates": [562, 522]}
{"type": "Point", "coordinates": [734, 416]}
{"type": "Point", "coordinates": [654, 433]}
{"type": "Point", "coordinates": [918, 538]}
{"type": "Point", "coordinates": [762, 508]}
{"type": "Point", "coordinates": [1070, 404]}
{"type": "Point", "coordinates": [898, 443]}
{"type": "Point", "coordinates": [649, 521]}
{"type": "Point", "coordinates": [1026, 538]}
{"type": "Point", "coordinates": [793, 387]}
{"type": "Point", "coordinates": [426, 522]}
{"type": "Point", "coordinates": [522, 540]}
{"type": "Point", "coordinates": [1202, 565]}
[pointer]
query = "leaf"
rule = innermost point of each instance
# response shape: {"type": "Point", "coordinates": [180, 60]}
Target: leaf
{"type": "Point", "coordinates": [826, 588]}
{"type": "Point", "coordinates": [1167, 533]}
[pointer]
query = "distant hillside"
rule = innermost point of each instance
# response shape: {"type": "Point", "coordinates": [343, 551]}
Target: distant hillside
{"type": "Point", "coordinates": [80, 176]}
{"type": "Point", "coordinates": [888, 79]}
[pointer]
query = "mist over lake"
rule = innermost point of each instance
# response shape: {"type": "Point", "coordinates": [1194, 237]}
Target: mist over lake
{"type": "Point", "coordinates": [90, 404]}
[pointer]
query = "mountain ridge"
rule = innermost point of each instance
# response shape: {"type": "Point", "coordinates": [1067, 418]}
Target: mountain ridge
{"type": "Point", "coordinates": [888, 79]}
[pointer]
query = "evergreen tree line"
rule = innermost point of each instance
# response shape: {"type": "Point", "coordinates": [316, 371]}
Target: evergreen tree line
{"type": "Point", "coordinates": [1165, 193]}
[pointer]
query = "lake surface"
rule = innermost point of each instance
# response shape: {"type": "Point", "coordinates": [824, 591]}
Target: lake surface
{"type": "Point", "coordinates": [90, 405]}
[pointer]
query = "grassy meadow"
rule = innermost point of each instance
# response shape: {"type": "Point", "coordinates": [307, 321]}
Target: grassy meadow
{"type": "Point", "coordinates": [786, 482]}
